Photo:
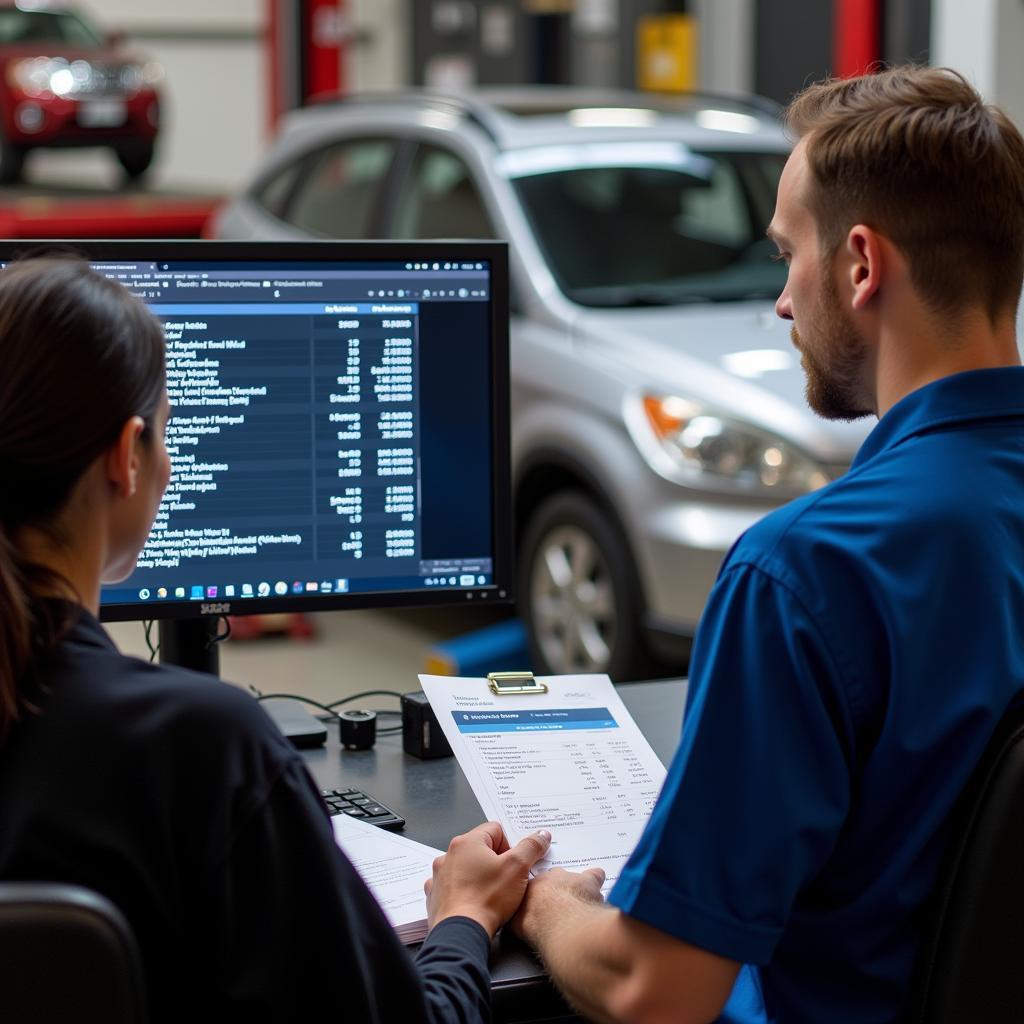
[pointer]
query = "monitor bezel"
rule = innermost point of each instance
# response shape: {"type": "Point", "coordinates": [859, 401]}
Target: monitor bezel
{"type": "Point", "coordinates": [500, 590]}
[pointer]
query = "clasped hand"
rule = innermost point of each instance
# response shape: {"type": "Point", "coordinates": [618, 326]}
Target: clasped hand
{"type": "Point", "coordinates": [482, 878]}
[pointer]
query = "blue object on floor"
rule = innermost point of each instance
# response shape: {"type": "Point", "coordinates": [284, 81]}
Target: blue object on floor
{"type": "Point", "coordinates": [501, 647]}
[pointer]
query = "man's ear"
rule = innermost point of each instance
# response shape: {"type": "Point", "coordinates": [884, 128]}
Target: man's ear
{"type": "Point", "coordinates": [864, 266]}
{"type": "Point", "coordinates": [123, 457]}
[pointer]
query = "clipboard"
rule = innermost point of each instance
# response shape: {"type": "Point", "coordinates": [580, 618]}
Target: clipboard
{"type": "Point", "coordinates": [503, 684]}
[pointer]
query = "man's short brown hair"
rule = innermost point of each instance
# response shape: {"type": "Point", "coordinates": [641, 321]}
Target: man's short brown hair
{"type": "Point", "coordinates": [916, 154]}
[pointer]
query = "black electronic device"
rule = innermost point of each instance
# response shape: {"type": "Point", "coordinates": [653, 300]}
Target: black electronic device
{"type": "Point", "coordinates": [339, 436]}
{"type": "Point", "coordinates": [357, 804]}
{"type": "Point", "coordinates": [357, 729]}
{"type": "Point", "coordinates": [295, 722]}
{"type": "Point", "coordinates": [421, 732]}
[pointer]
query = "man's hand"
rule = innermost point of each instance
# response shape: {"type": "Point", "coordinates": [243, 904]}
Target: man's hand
{"type": "Point", "coordinates": [481, 878]}
{"type": "Point", "coordinates": [547, 896]}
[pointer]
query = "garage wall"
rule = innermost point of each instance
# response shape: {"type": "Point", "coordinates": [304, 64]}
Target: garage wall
{"type": "Point", "coordinates": [216, 92]}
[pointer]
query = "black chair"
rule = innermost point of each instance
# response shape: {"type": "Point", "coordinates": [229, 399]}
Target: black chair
{"type": "Point", "coordinates": [66, 954]}
{"type": "Point", "coordinates": [969, 967]}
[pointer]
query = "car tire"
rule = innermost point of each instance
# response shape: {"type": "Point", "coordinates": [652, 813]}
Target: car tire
{"type": "Point", "coordinates": [12, 161]}
{"type": "Point", "coordinates": [578, 593]}
{"type": "Point", "coordinates": [135, 158]}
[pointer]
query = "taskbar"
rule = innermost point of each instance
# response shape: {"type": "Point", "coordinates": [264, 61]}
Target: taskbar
{"type": "Point", "coordinates": [206, 591]}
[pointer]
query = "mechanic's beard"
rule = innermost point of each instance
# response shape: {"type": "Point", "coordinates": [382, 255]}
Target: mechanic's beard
{"type": "Point", "coordinates": [834, 363]}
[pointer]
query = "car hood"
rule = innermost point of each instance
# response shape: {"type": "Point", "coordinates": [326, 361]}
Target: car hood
{"type": "Point", "coordinates": [737, 359]}
{"type": "Point", "coordinates": [98, 55]}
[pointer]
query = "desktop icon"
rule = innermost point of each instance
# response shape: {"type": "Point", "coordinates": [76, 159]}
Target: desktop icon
{"type": "Point", "coordinates": [326, 586]}
{"type": "Point", "coordinates": [263, 589]}
{"type": "Point", "coordinates": [161, 592]}
{"type": "Point", "coordinates": [179, 591]}
{"type": "Point", "coordinates": [310, 587]}
{"type": "Point", "coordinates": [297, 587]}
{"type": "Point", "coordinates": [451, 581]}
{"type": "Point", "coordinates": [481, 580]}
{"type": "Point", "coordinates": [280, 587]}
{"type": "Point", "coordinates": [143, 594]}
{"type": "Point", "coordinates": [341, 586]}
{"type": "Point", "coordinates": [229, 590]}
{"type": "Point", "coordinates": [211, 591]}
{"type": "Point", "coordinates": [246, 590]}
{"type": "Point", "coordinates": [466, 580]}
{"type": "Point", "coordinates": [197, 593]}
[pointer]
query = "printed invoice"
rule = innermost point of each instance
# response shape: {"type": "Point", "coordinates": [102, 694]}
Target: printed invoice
{"type": "Point", "coordinates": [571, 760]}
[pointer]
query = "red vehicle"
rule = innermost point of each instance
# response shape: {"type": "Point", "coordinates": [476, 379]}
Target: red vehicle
{"type": "Point", "coordinates": [62, 83]}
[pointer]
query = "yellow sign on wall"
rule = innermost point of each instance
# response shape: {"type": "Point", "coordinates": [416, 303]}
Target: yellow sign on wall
{"type": "Point", "coordinates": [666, 53]}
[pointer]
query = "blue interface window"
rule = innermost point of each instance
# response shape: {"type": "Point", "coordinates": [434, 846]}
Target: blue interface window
{"type": "Point", "coordinates": [330, 430]}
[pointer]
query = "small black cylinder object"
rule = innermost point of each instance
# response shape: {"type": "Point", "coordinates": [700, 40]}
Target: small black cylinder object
{"type": "Point", "coordinates": [358, 729]}
{"type": "Point", "coordinates": [421, 733]}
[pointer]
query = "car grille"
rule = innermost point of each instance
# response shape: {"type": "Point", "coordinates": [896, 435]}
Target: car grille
{"type": "Point", "coordinates": [105, 80]}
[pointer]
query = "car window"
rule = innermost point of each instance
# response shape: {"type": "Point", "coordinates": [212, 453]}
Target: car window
{"type": "Point", "coordinates": [639, 235]}
{"type": "Point", "coordinates": [440, 200]}
{"type": "Point", "coordinates": [338, 193]}
{"type": "Point", "coordinates": [273, 194]}
{"type": "Point", "coordinates": [21, 26]}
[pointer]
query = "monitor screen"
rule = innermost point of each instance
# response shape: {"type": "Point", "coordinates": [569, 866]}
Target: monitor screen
{"type": "Point", "coordinates": [339, 427]}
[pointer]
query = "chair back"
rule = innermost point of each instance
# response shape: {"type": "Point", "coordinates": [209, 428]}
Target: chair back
{"type": "Point", "coordinates": [969, 965]}
{"type": "Point", "coordinates": [68, 955]}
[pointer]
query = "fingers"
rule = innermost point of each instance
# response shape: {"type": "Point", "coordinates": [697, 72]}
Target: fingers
{"type": "Point", "coordinates": [531, 849]}
{"type": "Point", "coordinates": [489, 833]}
{"type": "Point", "coordinates": [596, 873]}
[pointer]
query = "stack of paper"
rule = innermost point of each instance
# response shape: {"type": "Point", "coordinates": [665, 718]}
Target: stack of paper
{"type": "Point", "coordinates": [394, 869]}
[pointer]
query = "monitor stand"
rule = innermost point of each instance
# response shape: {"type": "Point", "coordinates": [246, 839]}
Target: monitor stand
{"type": "Point", "coordinates": [191, 644]}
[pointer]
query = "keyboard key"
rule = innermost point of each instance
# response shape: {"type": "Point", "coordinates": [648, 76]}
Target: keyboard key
{"type": "Point", "coordinates": [357, 804]}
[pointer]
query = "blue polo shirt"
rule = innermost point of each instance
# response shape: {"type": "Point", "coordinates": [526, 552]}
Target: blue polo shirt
{"type": "Point", "coordinates": [855, 656]}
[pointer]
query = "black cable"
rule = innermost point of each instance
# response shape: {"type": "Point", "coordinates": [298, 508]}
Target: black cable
{"type": "Point", "coordinates": [292, 696]}
{"type": "Point", "coordinates": [147, 627]}
{"type": "Point", "coordinates": [365, 693]}
{"type": "Point", "coordinates": [221, 637]}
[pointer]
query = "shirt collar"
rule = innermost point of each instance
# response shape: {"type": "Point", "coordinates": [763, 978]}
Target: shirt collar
{"type": "Point", "coordinates": [86, 629]}
{"type": "Point", "coordinates": [989, 394]}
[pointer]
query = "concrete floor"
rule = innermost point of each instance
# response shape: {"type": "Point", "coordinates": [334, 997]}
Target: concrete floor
{"type": "Point", "coordinates": [351, 651]}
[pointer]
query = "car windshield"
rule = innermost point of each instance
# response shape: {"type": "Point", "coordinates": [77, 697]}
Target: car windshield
{"type": "Point", "coordinates": [18, 26]}
{"type": "Point", "coordinates": [658, 235]}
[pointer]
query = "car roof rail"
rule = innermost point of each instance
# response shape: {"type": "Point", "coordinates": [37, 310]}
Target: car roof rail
{"type": "Point", "coordinates": [486, 110]}
{"type": "Point", "coordinates": [472, 110]}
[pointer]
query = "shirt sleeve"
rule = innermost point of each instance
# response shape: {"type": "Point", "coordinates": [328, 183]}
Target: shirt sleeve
{"type": "Point", "coordinates": [296, 932]}
{"type": "Point", "coordinates": [759, 788]}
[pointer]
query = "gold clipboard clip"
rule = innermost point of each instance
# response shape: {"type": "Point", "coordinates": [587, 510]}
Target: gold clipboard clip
{"type": "Point", "coordinates": [516, 683]}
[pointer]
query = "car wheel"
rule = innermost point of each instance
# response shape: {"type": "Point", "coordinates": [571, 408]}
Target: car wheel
{"type": "Point", "coordinates": [578, 593]}
{"type": "Point", "coordinates": [135, 157]}
{"type": "Point", "coordinates": [12, 161]}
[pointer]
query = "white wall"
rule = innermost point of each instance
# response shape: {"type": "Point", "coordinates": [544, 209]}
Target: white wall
{"type": "Point", "coordinates": [983, 39]}
{"type": "Point", "coordinates": [216, 92]}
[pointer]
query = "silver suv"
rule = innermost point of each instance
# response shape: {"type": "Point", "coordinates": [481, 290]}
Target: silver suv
{"type": "Point", "coordinates": [657, 404]}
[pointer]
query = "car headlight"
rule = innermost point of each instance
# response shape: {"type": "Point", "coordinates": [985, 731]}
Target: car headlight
{"type": "Point", "coordinates": [31, 76]}
{"type": "Point", "coordinates": [41, 76]}
{"type": "Point", "coordinates": [691, 444]}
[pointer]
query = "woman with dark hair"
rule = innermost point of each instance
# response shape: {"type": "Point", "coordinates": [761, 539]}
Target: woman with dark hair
{"type": "Point", "coordinates": [170, 792]}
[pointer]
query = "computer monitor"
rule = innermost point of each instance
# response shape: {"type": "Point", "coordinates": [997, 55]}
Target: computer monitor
{"type": "Point", "coordinates": [339, 434]}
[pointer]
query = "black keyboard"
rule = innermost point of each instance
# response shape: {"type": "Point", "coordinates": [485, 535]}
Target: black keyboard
{"type": "Point", "coordinates": [357, 804]}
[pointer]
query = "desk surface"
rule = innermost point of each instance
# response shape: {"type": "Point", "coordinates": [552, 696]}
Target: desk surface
{"type": "Point", "coordinates": [437, 803]}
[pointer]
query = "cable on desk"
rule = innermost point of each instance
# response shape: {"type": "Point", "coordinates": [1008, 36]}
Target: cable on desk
{"type": "Point", "coordinates": [329, 709]}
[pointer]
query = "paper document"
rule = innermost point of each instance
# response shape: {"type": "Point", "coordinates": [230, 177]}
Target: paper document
{"type": "Point", "coordinates": [394, 869]}
{"type": "Point", "coordinates": [572, 761]}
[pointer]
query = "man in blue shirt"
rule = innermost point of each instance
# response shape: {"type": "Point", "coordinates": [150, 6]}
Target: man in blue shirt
{"type": "Point", "coordinates": [862, 643]}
